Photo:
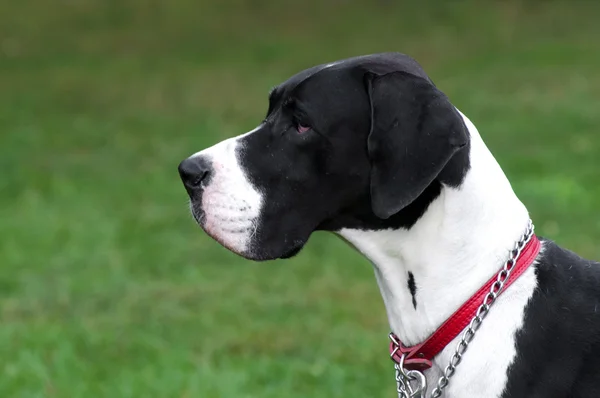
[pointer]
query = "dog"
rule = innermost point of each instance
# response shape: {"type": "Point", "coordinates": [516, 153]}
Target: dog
{"type": "Point", "coordinates": [370, 149]}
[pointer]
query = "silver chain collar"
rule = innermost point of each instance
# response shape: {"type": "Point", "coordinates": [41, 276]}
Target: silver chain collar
{"type": "Point", "coordinates": [412, 383]}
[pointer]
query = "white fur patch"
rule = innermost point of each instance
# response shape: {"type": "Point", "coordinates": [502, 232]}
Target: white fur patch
{"type": "Point", "coordinates": [230, 202]}
{"type": "Point", "coordinates": [463, 239]}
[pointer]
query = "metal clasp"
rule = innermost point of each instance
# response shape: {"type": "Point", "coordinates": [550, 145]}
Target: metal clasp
{"type": "Point", "coordinates": [416, 383]}
{"type": "Point", "coordinates": [412, 383]}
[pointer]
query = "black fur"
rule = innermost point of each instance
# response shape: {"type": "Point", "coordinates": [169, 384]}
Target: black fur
{"type": "Point", "coordinates": [558, 347]}
{"type": "Point", "coordinates": [342, 173]}
{"type": "Point", "coordinates": [412, 287]}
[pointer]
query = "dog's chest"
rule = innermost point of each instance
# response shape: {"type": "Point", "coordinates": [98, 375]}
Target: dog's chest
{"type": "Point", "coordinates": [483, 370]}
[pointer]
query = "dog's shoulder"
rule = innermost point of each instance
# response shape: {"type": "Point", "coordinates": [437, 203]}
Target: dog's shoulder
{"type": "Point", "coordinates": [558, 344]}
{"type": "Point", "coordinates": [565, 276]}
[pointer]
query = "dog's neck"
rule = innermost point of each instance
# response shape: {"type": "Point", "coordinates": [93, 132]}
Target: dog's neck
{"type": "Point", "coordinates": [461, 241]}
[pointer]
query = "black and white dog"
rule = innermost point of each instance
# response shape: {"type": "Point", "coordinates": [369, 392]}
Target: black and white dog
{"type": "Point", "coordinates": [370, 149]}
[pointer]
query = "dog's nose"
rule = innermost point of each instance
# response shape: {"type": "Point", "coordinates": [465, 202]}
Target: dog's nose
{"type": "Point", "coordinates": [195, 172]}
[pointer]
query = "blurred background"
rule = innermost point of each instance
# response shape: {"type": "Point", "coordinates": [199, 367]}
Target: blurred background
{"type": "Point", "coordinates": [107, 286]}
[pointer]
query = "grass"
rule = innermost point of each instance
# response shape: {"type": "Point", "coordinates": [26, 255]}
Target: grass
{"type": "Point", "coordinates": [107, 287]}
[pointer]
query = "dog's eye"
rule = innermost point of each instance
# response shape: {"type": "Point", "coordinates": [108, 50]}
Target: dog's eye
{"type": "Point", "coordinates": [302, 128]}
{"type": "Point", "coordinates": [300, 121]}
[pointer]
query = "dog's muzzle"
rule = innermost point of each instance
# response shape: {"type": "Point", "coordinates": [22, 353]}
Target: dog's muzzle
{"type": "Point", "coordinates": [222, 199]}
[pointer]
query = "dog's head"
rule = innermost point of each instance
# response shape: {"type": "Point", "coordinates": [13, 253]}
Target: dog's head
{"type": "Point", "coordinates": [366, 143]}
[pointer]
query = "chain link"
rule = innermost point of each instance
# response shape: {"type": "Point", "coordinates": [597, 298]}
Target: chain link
{"type": "Point", "coordinates": [400, 384]}
{"type": "Point", "coordinates": [403, 378]}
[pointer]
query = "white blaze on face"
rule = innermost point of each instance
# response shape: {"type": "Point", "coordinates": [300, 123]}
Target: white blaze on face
{"type": "Point", "coordinates": [231, 204]}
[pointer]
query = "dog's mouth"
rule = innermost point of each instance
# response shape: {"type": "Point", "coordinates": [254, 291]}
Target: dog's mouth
{"type": "Point", "coordinates": [198, 214]}
{"type": "Point", "coordinates": [227, 224]}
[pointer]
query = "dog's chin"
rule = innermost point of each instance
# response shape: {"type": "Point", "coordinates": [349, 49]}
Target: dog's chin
{"type": "Point", "coordinates": [259, 255]}
{"type": "Point", "coordinates": [266, 253]}
{"type": "Point", "coordinates": [254, 251]}
{"type": "Point", "coordinates": [291, 252]}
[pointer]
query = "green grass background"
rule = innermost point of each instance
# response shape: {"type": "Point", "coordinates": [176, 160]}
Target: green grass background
{"type": "Point", "coordinates": [109, 289]}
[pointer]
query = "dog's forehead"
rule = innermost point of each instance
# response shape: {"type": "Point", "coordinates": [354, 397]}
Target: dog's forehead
{"type": "Point", "coordinates": [379, 64]}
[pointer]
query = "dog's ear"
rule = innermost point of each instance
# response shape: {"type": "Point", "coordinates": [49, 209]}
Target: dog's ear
{"type": "Point", "coordinates": [415, 131]}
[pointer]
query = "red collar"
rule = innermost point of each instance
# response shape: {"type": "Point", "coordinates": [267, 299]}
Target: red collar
{"type": "Point", "coordinates": [419, 357]}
